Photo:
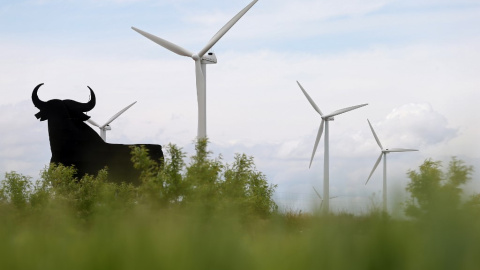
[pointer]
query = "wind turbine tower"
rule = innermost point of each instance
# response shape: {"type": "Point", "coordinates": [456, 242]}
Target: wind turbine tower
{"type": "Point", "coordinates": [201, 60]}
{"type": "Point", "coordinates": [383, 155]}
{"type": "Point", "coordinates": [324, 124]}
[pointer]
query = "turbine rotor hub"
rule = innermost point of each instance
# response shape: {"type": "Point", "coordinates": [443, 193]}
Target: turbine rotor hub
{"type": "Point", "coordinates": [195, 57]}
{"type": "Point", "coordinates": [331, 118]}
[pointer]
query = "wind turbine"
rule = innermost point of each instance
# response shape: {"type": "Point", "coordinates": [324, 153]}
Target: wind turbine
{"type": "Point", "coordinates": [321, 199]}
{"type": "Point", "coordinates": [384, 155]}
{"type": "Point", "coordinates": [106, 126]}
{"type": "Point", "coordinates": [324, 123]}
{"type": "Point", "coordinates": [201, 60]}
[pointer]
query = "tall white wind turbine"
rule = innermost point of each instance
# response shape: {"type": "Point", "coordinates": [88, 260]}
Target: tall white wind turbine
{"type": "Point", "coordinates": [106, 126]}
{"type": "Point", "coordinates": [324, 124]}
{"type": "Point", "coordinates": [384, 155]}
{"type": "Point", "coordinates": [200, 64]}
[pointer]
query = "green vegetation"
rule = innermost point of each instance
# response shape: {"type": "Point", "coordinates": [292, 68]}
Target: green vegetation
{"type": "Point", "coordinates": [206, 183]}
{"type": "Point", "coordinates": [211, 215]}
{"type": "Point", "coordinates": [432, 190]}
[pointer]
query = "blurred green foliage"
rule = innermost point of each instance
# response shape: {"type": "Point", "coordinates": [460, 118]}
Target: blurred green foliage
{"type": "Point", "coordinates": [206, 183]}
{"type": "Point", "coordinates": [211, 215]}
{"type": "Point", "coordinates": [433, 190]}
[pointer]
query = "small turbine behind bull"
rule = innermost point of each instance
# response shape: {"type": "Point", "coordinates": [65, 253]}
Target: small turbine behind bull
{"type": "Point", "coordinates": [106, 126]}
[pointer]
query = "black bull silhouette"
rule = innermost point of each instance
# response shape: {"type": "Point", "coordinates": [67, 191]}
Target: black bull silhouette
{"type": "Point", "coordinates": [73, 142]}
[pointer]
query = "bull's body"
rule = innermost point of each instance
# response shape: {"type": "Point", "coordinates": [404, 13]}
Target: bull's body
{"type": "Point", "coordinates": [73, 142]}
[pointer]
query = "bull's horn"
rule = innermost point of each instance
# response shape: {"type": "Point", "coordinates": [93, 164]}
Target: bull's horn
{"type": "Point", "coordinates": [36, 101]}
{"type": "Point", "coordinates": [89, 105]}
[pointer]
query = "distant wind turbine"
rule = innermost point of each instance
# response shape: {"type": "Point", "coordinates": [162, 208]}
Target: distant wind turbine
{"type": "Point", "coordinates": [200, 64]}
{"type": "Point", "coordinates": [325, 119]}
{"type": "Point", "coordinates": [106, 126]}
{"type": "Point", "coordinates": [384, 155]}
{"type": "Point", "coordinates": [320, 197]}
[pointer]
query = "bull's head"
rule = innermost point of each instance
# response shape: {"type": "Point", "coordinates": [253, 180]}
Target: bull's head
{"type": "Point", "coordinates": [74, 109]}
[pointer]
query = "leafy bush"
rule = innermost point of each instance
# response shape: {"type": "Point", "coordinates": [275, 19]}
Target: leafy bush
{"type": "Point", "coordinates": [206, 183]}
{"type": "Point", "coordinates": [15, 189]}
{"type": "Point", "coordinates": [432, 190]}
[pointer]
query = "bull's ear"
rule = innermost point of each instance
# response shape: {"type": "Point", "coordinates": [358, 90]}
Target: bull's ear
{"type": "Point", "coordinates": [79, 115]}
{"type": "Point", "coordinates": [41, 115]}
{"type": "Point", "coordinates": [84, 117]}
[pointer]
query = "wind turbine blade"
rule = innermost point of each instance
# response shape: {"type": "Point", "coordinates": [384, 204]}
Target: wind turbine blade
{"type": "Point", "coordinates": [400, 150]}
{"type": "Point", "coordinates": [375, 166]}
{"type": "Point", "coordinates": [93, 122]}
{"type": "Point", "coordinates": [164, 43]}
{"type": "Point", "coordinates": [319, 135]}
{"type": "Point", "coordinates": [225, 28]}
{"type": "Point", "coordinates": [318, 194]}
{"type": "Point", "coordinates": [337, 112]}
{"type": "Point", "coordinates": [375, 135]}
{"type": "Point", "coordinates": [118, 114]}
{"type": "Point", "coordinates": [310, 99]}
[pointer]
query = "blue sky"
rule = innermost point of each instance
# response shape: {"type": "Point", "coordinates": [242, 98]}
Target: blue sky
{"type": "Point", "coordinates": [415, 62]}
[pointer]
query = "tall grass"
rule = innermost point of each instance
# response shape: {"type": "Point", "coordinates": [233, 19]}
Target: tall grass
{"type": "Point", "coordinates": [143, 239]}
{"type": "Point", "coordinates": [66, 223]}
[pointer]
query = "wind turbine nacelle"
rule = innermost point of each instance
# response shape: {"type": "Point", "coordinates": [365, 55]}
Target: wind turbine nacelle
{"type": "Point", "coordinates": [209, 58]}
{"type": "Point", "coordinates": [331, 119]}
{"type": "Point", "coordinates": [107, 127]}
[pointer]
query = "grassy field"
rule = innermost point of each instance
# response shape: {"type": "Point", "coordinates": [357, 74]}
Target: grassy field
{"type": "Point", "coordinates": [176, 220]}
{"type": "Point", "coordinates": [143, 237]}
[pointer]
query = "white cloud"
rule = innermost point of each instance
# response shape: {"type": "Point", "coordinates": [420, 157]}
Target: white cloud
{"type": "Point", "coordinates": [417, 125]}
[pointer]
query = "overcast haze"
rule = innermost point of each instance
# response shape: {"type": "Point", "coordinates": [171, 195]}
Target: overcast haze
{"type": "Point", "coordinates": [416, 63]}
